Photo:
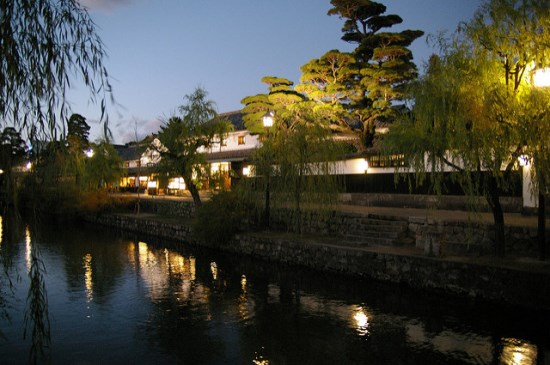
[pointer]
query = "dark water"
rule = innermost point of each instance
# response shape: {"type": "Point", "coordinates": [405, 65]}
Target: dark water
{"type": "Point", "coordinates": [117, 298]}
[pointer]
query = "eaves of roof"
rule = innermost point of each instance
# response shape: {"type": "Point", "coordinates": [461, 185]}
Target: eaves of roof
{"type": "Point", "coordinates": [235, 155]}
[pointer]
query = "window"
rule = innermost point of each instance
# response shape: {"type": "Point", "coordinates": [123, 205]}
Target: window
{"type": "Point", "coordinates": [241, 140]}
{"type": "Point", "coordinates": [223, 142]}
{"type": "Point", "coordinates": [387, 160]}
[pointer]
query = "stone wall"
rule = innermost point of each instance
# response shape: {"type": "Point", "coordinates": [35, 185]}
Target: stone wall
{"type": "Point", "coordinates": [443, 238]}
{"type": "Point", "coordinates": [446, 237]}
{"type": "Point", "coordinates": [489, 282]}
{"type": "Point", "coordinates": [460, 278]}
{"type": "Point", "coordinates": [174, 208]}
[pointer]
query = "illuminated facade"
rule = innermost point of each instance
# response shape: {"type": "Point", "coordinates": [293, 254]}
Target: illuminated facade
{"type": "Point", "coordinates": [229, 160]}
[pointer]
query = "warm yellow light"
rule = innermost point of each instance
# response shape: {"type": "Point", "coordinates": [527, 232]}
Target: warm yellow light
{"type": "Point", "coordinates": [267, 119]}
{"type": "Point", "coordinates": [152, 184]}
{"type": "Point", "coordinates": [361, 319]}
{"type": "Point", "coordinates": [246, 171]}
{"type": "Point", "coordinates": [361, 322]}
{"type": "Point", "coordinates": [523, 160]}
{"type": "Point", "coordinates": [143, 178]}
{"type": "Point", "coordinates": [517, 352]}
{"type": "Point", "coordinates": [176, 184]}
{"type": "Point", "coordinates": [88, 279]}
{"type": "Point", "coordinates": [28, 165]}
{"type": "Point", "coordinates": [541, 78]}
{"type": "Point", "coordinates": [364, 166]}
{"type": "Point", "coordinates": [214, 270]}
{"type": "Point", "coordinates": [28, 248]}
{"type": "Point", "coordinates": [243, 283]}
{"type": "Point", "coordinates": [215, 167]}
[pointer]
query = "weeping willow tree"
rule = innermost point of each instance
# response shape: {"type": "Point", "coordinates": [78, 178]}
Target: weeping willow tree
{"type": "Point", "coordinates": [296, 165]}
{"type": "Point", "coordinates": [473, 109]}
{"type": "Point", "coordinates": [46, 45]}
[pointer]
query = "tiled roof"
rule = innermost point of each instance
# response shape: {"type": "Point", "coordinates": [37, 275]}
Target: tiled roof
{"type": "Point", "coordinates": [129, 152]}
{"type": "Point", "coordinates": [235, 155]}
{"type": "Point", "coordinates": [236, 118]}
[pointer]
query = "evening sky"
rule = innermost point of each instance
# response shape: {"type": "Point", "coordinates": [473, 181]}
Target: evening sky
{"type": "Point", "coordinates": [161, 50]}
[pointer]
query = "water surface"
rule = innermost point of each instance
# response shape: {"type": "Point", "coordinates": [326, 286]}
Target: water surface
{"type": "Point", "coordinates": [120, 298]}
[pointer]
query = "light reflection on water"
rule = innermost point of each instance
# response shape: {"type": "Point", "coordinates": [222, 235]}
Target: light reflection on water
{"type": "Point", "coordinates": [143, 302]}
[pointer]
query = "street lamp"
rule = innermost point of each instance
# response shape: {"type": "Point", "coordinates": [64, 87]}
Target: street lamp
{"type": "Point", "coordinates": [541, 77]}
{"type": "Point", "coordinates": [267, 120]}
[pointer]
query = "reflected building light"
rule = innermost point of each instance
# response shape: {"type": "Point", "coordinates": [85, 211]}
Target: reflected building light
{"type": "Point", "coordinates": [243, 303]}
{"type": "Point", "coordinates": [192, 267]}
{"type": "Point", "coordinates": [167, 256]}
{"type": "Point", "coordinates": [132, 254]}
{"type": "Point", "coordinates": [88, 277]}
{"type": "Point", "coordinates": [1, 231]}
{"type": "Point", "coordinates": [517, 352]}
{"type": "Point", "coordinates": [214, 270]}
{"type": "Point", "coordinates": [142, 251]}
{"type": "Point", "coordinates": [243, 283]}
{"type": "Point", "coordinates": [361, 321]}
{"type": "Point", "coordinates": [180, 263]}
{"type": "Point", "coordinates": [28, 248]}
{"type": "Point", "coordinates": [260, 359]}
{"type": "Point", "coordinates": [175, 261]}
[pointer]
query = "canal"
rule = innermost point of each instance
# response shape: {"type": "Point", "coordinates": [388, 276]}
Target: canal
{"type": "Point", "coordinates": [121, 298]}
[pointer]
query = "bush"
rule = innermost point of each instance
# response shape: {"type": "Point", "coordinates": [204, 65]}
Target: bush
{"type": "Point", "coordinates": [219, 219]}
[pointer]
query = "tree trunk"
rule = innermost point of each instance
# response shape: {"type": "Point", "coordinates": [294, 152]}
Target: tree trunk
{"type": "Point", "coordinates": [493, 198]}
{"type": "Point", "coordinates": [194, 192]}
{"type": "Point", "coordinates": [541, 234]}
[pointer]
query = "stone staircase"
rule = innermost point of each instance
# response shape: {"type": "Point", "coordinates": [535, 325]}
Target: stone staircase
{"type": "Point", "coordinates": [377, 231]}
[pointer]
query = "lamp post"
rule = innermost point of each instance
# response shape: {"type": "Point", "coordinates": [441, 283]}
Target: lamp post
{"type": "Point", "coordinates": [267, 120]}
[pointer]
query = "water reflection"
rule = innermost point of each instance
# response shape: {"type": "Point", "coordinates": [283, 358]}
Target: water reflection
{"type": "Point", "coordinates": [517, 352]}
{"type": "Point", "coordinates": [28, 248]}
{"type": "Point", "coordinates": [88, 281]}
{"type": "Point", "coordinates": [146, 302]}
{"type": "Point", "coordinates": [361, 321]}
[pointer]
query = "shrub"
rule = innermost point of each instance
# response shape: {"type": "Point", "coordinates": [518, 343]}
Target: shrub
{"type": "Point", "coordinates": [219, 219]}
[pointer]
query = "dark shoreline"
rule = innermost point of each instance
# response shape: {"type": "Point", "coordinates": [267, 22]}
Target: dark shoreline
{"type": "Point", "coordinates": [526, 286]}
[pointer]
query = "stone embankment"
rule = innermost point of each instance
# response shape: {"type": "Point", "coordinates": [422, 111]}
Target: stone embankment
{"type": "Point", "coordinates": [415, 251]}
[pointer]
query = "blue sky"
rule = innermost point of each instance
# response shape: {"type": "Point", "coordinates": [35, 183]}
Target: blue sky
{"type": "Point", "coordinates": [161, 50]}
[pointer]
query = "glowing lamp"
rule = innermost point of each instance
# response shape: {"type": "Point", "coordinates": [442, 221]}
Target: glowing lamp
{"type": "Point", "coordinates": [268, 119]}
{"type": "Point", "coordinates": [541, 78]}
{"type": "Point", "coordinates": [364, 165]}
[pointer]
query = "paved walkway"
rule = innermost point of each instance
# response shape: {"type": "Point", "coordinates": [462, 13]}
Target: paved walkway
{"type": "Point", "coordinates": [510, 219]}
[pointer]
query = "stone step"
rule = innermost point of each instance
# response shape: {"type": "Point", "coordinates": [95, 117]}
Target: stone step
{"type": "Point", "coordinates": [381, 228]}
{"type": "Point", "coordinates": [370, 241]}
{"type": "Point", "coordinates": [374, 234]}
{"type": "Point", "coordinates": [383, 222]}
